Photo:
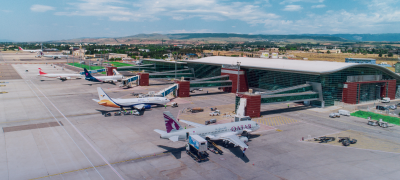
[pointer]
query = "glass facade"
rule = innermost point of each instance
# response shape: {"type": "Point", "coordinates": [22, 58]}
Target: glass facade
{"type": "Point", "coordinates": [205, 71]}
{"type": "Point", "coordinates": [164, 66]}
{"type": "Point", "coordinates": [332, 84]}
{"type": "Point", "coordinates": [288, 98]}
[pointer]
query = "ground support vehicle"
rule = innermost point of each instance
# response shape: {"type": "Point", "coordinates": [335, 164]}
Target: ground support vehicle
{"type": "Point", "coordinates": [174, 104]}
{"type": "Point", "coordinates": [242, 118]}
{"type": "Point", "coordinates": [346, 141]}
{"type": "Point", "coordinates": [334, 115]}
{"type": "Point", "coordinates": [135, 112]}
{"type": "Point", "coordinates": [324, 139]}
{"type": "Point", "coordinates": [107, 114]}
{"type": "Point", "coordinates": [213, 109]}
{"type": "Point", "coordinates": [386, 100]}
{"type": "Point", "coordinates": [215, 113]}
{"type": "Point", "coordinates": [344, 112]}
{"type": "Point", "coordinates": [195, 110]}
{"type": "Point", "coordinates": [214, 148]}
{"type": "Point", "coordinates": [380, 123]}
{"type": "Point", "coordinates": [117, 113]}
{"type": "Point", "coordinates": [197, 148]}
{"type": "Point", "coordinates": [127, 113]}
{"type": "Point", "coordinates": [213, 120]}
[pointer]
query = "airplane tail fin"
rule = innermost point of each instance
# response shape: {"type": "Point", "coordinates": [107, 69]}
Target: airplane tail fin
{"type": "Point", "coordinates": [102, 94]}
{"type": "Point", "coordinates": [20, 48]}
{"type": "Point", "coordinates": [87, 74]}
{"type": "Point", "coordinates": [170, 122]}
{"type": "Point", "coordinates": [41, 72]}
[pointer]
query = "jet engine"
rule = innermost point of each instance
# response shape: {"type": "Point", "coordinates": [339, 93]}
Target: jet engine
{"type": "Point", "coordinates": [64, 78]}
{"type": "Point", "coordinates": [114, 81]}
{"type": "Point", "coordinates": [244, 139]}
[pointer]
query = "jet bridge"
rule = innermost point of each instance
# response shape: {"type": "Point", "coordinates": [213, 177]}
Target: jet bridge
{"type": "Point", "coordinates": [167, 90]}
{"type": "Point", "coordinates": [128, 81]}
{"type": "Point", "coordinates": [212, 82]}
{"type": "Point", "coordinates": [305, 92]}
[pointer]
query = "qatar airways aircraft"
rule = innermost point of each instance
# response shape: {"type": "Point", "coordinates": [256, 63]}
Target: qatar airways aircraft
{"type": "Point", "coordinates": [228, 132]}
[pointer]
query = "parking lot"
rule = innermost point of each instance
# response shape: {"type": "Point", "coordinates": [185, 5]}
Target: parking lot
{"type": "Point", "coordinates": [53, 129]}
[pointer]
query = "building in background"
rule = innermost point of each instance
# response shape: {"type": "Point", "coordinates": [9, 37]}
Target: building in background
{"type": "Point", "coordinates": [360, 60]}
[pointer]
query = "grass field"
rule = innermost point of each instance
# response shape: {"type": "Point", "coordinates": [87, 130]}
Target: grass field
{"type": "Point", "coordinates": [120, 64]}
{"type": "Point", "coordinates": [85, 66]}
{"type": "Point", "coordinates": [374, 116]}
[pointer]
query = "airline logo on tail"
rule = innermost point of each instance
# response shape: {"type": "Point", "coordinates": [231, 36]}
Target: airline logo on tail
{"type": "Point", "coordinates": [41, 72]}
{"type": "Point", "coordinates": [170, 122]}
{"type": "Point", "coordinates": [20, 48]}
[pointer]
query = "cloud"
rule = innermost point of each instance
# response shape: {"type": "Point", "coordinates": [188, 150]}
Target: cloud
{"type": "Point", "coordinates": [293, 8]}
{"type": "Point", "coordinates": [152, 10]}
{"type": "Point", "coordinates": [306, 1]}
{"type": "Point", "coordinates": [41, 8]}
{"type": "Point", "coordinates": [6, 11]}
{"type": "Point", "coordinates": [318, 6]}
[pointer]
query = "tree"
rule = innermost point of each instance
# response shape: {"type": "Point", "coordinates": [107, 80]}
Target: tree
{"type": "Point", "coordinates": [390, 54]}
{"type": "Point", "coordinates": [328, 52]}
{"type": "Point", "coordinates": [380, 55]}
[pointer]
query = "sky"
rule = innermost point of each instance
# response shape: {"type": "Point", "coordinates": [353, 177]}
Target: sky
{"type": "Point", "coordinates": [44, 20]}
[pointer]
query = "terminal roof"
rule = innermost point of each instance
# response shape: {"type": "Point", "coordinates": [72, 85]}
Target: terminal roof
{"type": "Point", "coordinates": [285, 65]}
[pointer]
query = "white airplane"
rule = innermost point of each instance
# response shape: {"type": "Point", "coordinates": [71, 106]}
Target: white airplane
{"type": "Point", "coordinates": [137, 103]}
{"type": "Point", "coordinates": [41, 54]}
{"type": "Point", "coordinates": [104, 79]}
{"type": "Point", "coordinates": [60, 76]}
{"type": "Point", "coordinates": [227, 132]}
{"type": "Point", "coordinates": [32, 50]}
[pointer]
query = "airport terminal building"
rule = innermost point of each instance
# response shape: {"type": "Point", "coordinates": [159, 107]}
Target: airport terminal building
{"type": "Point", "coordinates": [280, 80]}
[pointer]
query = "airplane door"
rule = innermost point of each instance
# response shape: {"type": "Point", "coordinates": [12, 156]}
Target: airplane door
{"type": "Point", "coordinates": [187, 135]}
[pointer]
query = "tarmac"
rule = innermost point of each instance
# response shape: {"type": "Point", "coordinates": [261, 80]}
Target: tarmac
{"type": "Point", "coordinates": [52, 129]}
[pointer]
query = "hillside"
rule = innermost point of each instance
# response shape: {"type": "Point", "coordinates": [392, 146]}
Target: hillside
{"type": "Point", "coordinates": [205, 38]}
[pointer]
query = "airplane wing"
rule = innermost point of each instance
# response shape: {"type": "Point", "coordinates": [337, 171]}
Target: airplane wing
{"type": "Point", "coordinates": [96, 100]}
{"type": "Point", "coordinates": [192, 123]}
{"type": "Point", "coordinates": [174, 138]}
{"type": "Point", "coordinates": [139, 106]}
{"type": "Point", "coordinates": [234, 140]}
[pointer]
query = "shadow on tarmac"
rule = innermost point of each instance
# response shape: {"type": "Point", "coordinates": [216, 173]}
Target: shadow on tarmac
{"type": "Point", "coordinates": [177, 152]}
{"type": "Point", "coordinates": [284, 110]}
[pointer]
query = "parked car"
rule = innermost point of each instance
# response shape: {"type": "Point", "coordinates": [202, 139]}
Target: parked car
{"type": "Point", "coordinates": [393, 107]}
{"type": "Point", "coordinates": [383, 108]}
{"type": "Point", "coordinates": [398, 104]}
{"type": "Point", "coordinates": [386, 100]}
{"type": "Point", "coordinates": [344, 112]}
{"type": "Point", "coordinates": [334, 115]}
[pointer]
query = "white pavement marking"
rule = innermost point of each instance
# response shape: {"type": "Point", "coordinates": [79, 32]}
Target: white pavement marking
{"type": "Point", "coordinates": [63, 127]}
{"type": "Point", "coordinates": [76, 129]}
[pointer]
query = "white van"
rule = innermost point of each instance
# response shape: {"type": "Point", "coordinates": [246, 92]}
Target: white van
{"type": "Point", "coordinates": [344, 112]}
{"type": "Point", "coordinates": [386, 100]}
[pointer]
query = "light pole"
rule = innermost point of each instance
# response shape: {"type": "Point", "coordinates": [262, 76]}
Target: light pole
{"type": "Point", "coordinates": [175, 66]}
{"type": "Point", "coordinates": [238, 77]}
